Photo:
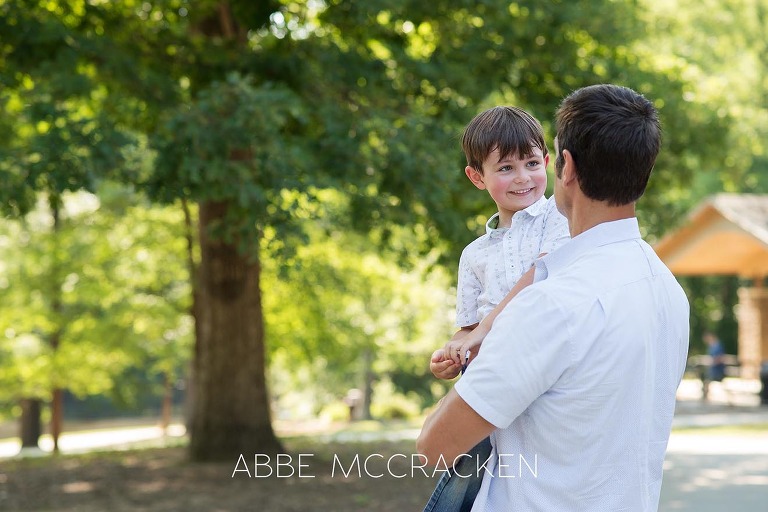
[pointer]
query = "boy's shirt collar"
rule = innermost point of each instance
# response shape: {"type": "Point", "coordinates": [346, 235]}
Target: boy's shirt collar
{"type": "Point", "coordinates": [536, 209]}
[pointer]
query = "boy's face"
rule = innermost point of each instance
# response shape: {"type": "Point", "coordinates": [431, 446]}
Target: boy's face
{"type": "Point", "coordinates": [514, 184]}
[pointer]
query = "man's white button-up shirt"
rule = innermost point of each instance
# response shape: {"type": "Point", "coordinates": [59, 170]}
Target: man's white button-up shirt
{"type": "Point", "coordinates": [579, 375]}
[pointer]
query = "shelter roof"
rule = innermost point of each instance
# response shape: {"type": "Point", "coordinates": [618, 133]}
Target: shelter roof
{"type": "Point", "coordinates": [726, 234]}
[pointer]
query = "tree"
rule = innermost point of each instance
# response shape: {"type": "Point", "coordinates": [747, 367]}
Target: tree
{"type": "Point", "coordinates": [121, 303]}
{"type": "Point", "coordinates": [59, 141]}
{"type": "Point", "coordinates": [365, 318]}
{"type": "Point", "coordinates": [252, 105]}
{"type": "Point", "coordinates": [243, 144]}
{"type": "Point", "coordinates": [720, 46]}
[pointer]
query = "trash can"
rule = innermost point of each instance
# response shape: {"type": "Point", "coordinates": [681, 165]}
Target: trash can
{"type": "Point", "coordinates": [354, 401]}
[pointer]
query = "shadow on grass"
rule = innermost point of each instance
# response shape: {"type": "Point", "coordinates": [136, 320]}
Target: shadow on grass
{"type": "Point", "coordinates": [348, 475]}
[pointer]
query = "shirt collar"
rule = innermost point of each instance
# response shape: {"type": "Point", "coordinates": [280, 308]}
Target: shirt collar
{"type": "Point", "coordinates": [537, 208]}
{"type": "Point", "coordinates": [598, 236]}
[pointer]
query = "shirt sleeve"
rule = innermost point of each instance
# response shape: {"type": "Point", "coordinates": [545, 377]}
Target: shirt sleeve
{"type": "Point", "coordinates": [556, 231]}
{"type": "Point", "coordinates": [468, 290]}
{"type": "Point", "coordinates": [527, 350]}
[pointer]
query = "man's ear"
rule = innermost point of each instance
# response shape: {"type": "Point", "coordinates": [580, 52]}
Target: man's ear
{"type": "Point", "coordinates": [475, 177]}
{"type": "Point", "coordinates": [568, 175]}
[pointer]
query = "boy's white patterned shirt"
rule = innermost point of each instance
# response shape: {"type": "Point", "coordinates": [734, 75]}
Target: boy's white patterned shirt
{"type": "Point", "coordinates": [491, 265]}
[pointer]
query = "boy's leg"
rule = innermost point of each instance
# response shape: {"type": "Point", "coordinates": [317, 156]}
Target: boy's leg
{"type": "Point", "coordinates": [457, 489]}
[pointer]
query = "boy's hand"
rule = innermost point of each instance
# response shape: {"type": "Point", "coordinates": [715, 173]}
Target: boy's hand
{"type": "Point", "coordinates": [456, 349]}
{"type": "Point", "coordinates": [443, 368]}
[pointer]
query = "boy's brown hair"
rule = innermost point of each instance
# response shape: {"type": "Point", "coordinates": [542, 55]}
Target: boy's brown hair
{"type": "Point", "coordinates": [510, 129]}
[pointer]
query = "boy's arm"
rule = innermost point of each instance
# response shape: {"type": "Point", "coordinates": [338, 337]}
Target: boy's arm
{"type": "Point", "coordinates": [468, 289]}
{"type": "Point", "coordinates": [456, 349]}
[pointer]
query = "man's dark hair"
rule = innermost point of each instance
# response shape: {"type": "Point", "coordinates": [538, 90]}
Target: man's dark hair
{"type": "Point", "coordinates": [614, 136]}
{"type": "Point", "coordinates": [510, 129]}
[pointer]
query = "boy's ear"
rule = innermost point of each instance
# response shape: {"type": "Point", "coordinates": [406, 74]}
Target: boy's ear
{"type": "Point", "coordinates": [475, 177]}
{"type": "Point", "coordinates": [546, 160]}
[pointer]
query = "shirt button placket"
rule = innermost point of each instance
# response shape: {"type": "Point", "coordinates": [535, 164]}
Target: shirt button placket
{"type": "Point", "coordinates": [510, 248]}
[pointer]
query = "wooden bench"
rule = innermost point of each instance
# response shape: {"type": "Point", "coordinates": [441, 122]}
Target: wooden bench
{"type": "Point", "coordinates": [699, 366]}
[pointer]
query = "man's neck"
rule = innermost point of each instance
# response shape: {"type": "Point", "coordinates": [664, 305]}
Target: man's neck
{"type": "Point", "coordinates": [587, 214]}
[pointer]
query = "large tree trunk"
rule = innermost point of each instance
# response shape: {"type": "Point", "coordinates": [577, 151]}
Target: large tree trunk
{"type": "Point", "coordinates": [30, 426]}
{"type": "Point", "coordinates": [231, 415]}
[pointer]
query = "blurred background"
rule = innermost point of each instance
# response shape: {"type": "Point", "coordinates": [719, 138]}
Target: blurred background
{"type": "Point", "coordinates": [239, 217]}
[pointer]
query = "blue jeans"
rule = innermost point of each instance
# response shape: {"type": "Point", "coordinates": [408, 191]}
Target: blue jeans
{"type": "Point", "coordinates": [456, 493]}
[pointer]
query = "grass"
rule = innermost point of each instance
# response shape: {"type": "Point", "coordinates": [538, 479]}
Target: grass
{"type": "Point", "coordinates": [164, 480]}
{"type": "Point", "coordinates": [753, 430]}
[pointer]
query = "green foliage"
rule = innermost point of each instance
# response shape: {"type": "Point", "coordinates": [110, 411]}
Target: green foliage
{"type": "Point", "coordinates": [366, 97]}
{"type": "Point", "coordinates": [712, 300]}
{"type": "Point", "coordinates": [241, 144]}
{"type": "Point", "coordinates": [391, 406]}
{"type": "Point", "coordinates": [719, 48]}
{"type": "Point", "coordinates": [339, 298]}
{"type": "Point", "coordinates": [331, 131]}
{"type": "Point", "coordinates": [62, 137]}
{"type": "Point", "coordinates": [118, 275]}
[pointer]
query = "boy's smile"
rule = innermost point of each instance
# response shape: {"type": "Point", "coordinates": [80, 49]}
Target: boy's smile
{"type": "Point", "coordinates": [521, 192]}
{"type": "Point", "coordinates": [513, 183]}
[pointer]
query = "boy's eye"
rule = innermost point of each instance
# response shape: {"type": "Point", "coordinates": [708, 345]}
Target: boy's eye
{"type": "Point", "coordinates": [505, 168]}
{"type": "Point", "coordinates": [534, 163]}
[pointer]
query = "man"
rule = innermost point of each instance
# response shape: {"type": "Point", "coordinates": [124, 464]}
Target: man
{"type": "Point", "coordinates": [716, 370]}
{"type": "Point", "coordinates": [576, 380]}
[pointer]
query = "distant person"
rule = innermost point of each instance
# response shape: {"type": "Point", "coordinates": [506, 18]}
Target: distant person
{"type": "Point", "coordinates": [507, 156]}
{"type": "Point", "coordinates": [716, 370]}
{"type": "Point", "coordinates": [579, 372]}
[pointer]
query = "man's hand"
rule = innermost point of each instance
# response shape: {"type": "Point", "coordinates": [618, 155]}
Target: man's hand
{"type": "Point", "coordinates": [443, 368]}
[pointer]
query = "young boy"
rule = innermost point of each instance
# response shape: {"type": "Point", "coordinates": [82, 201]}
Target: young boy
{"type": "Point", "coordinates": [507, 156]}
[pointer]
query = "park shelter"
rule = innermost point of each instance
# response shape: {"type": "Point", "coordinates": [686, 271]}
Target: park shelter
{"type": "Point", "coordinates": [728, 235]}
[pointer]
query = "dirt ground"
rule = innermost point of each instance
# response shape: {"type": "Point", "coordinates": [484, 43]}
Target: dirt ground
{"type": "Point", "coordinates": [163, 480]}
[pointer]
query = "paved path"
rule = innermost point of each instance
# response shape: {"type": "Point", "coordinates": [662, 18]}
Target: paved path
{"type": "Point", "coordinates": [92, 440]}
{"type": "Point", "coordinates": [715, 474]}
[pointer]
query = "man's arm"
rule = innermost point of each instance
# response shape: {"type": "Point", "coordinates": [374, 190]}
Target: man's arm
{"type": "Point", "coordinates": [452, 429]}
